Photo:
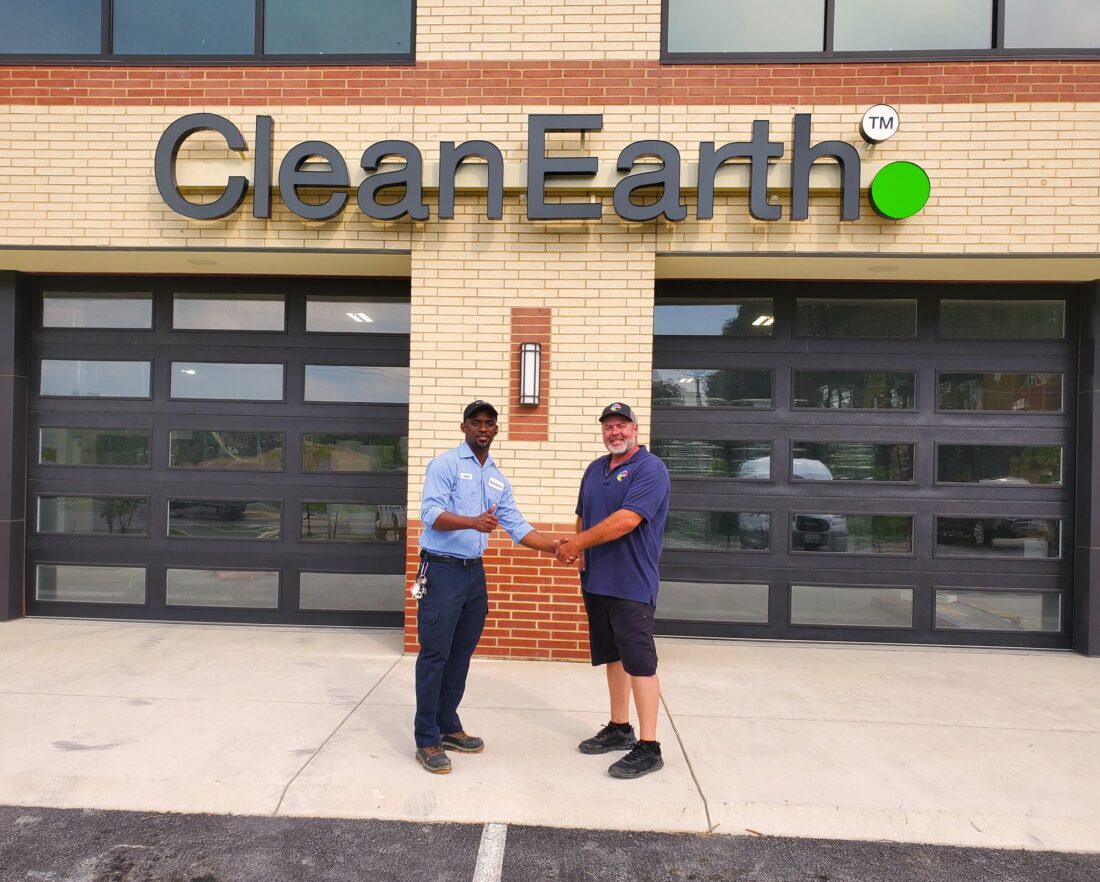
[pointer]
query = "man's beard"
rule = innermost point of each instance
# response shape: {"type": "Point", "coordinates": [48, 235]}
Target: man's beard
{"type": "Point", "coordinates": [627, 445]}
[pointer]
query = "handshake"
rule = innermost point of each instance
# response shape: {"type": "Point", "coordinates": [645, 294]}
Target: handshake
{"type": "Point", "coordinates": [567, 552]}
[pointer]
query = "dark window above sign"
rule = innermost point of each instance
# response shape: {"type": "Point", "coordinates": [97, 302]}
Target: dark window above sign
{"type": "Point", "coordinates": [747, 30]}
{"type": "Point", "coordinates": [363, 31]}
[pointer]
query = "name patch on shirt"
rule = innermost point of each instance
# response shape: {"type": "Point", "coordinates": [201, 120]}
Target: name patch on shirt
{"type": "Point", "coordinates": [465, 476]}
{"type": "Point", "coordinates": [496, 484]}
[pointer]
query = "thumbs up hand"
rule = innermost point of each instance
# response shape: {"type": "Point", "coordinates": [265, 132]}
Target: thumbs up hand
{"type": "Point", "coordinates": [486, 522]}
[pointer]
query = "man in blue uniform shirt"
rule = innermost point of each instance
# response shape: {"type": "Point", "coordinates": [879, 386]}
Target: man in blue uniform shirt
{"type": "Point", "coordinates": [465, 498]}
{"type": "Point", "coordinates": [621, 516]}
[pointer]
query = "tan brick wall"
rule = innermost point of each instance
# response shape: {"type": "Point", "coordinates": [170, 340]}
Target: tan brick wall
{"type": "Point", "coordinates": [537, 29]}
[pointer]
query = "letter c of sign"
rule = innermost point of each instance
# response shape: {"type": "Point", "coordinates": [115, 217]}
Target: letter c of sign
{"type": "Point", "coordinates": [165, 166]}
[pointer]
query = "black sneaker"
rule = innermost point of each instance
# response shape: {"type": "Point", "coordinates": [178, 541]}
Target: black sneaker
{"type": "Point", "coordinates": [610, 737]}
{"type": "Point", "coordinates": [462, 742]}
{"type": "Point", "coordinates": [434, 759]}
{"type": "Point", "coordinates": [643, 759]}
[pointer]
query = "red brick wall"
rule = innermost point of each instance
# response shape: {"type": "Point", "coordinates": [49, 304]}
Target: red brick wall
{"type": "Point", "coordinates": [607, 83]}
{"type": "Point", "coordinates": [535, 606]}
{"type": "Point", "coordinates": [525, 423]}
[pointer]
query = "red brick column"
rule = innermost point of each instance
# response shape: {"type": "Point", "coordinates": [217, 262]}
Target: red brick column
{"type": "Point", "coordinates": [535, 606]}
{"type": "Point", "coordinates": [526, 423]}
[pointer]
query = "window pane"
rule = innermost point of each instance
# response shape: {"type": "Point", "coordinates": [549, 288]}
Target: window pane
{"type": "Point", "coordinates": [886, 25]}
{"type": "Point", "coordinates": [712, 602]}
{"type": "Point", "coordinates": [857, 534]}
{"type": "Point", "coordinates": [197, 27]}
{"type": "Point", "coordinates": [229, 382]}
{"type": "Point", "coordinates": [715, 459]}
{"type": "Point", "coordinates": [857, 390]}
{"type": "Point", "coordinates": [1003, 319]}
{"type": "Point", "coordinates": [352, 522]}
{"type": "Point", "coordinates": [228, 312]}
{"type": "Point", "coordinates": [990, 536]}
{"type": "Point", "coordinates": [998, 610]}
{"type": "Point", "coordinates": [89, 584]}
{"type": "Point", "coordinates": [361, 592]}
{"type": "Point", "coordinates": [749, 317]}
{"type": "Point", "coordinates": [1052, 24]}
{"type": "Point", "coordinates": [346, 315]}
{"type": "Point", "coordinates": [350, 383]}
{"type": "Point", "coordinates": [997, 465]}
{"type": "Point", "coordinates": [94, 515]}
{"type": "Point", "coordinates": [851, 461]}
{"type": "Point", "coordinates": [260, 451]}
{"type": "Point", "coordinates": [97, 310]}
{"type": "Point", "coordinates": [1000, 392]}
{"type": "Point", "coordinates": [746, 26]}
{"type": "Point", "coordinates": [91, 379]}
{"type": "Point", "coordinates": [866, 607]}
{"type": "Point", "coordinates": [337, 26]}
{"type": "Point", "coordinates": [50, 26]}
{"type": "Point", "coordinates": [855, 318]}
{"type": "Point", "coordinates": [725, 387]}
{"type": "Point", "coordinates": [249, 589]}
{"type": "Point", "coordinates": [94, 447]}
{"type": "Point", "coordinates": [224, 519]}
{"type": "Point", "coordinates": [725, 530]}
{"type": "Point", "coordinates": [355, 453]}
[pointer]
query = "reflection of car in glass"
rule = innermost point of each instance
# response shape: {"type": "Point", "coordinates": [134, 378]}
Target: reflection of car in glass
{"type": "Point", "coordinates": [982, 531]}
{"type": "Point", "coordinates": [819, 532]}
{"type": "Point", "coordinates": [390, 523]}
{"type": "Point", "coordinates": [209, 509]}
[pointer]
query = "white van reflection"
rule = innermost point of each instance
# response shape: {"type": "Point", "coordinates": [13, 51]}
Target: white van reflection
{"type": "Point", "coordinates": [809, 532]}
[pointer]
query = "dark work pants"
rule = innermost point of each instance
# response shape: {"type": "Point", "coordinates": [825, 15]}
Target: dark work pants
{"type": "Point", "coordinates": [449, 622]}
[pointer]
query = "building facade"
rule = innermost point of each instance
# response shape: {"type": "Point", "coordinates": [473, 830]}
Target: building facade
{"type": "Point", "coordinates": [841, 258]}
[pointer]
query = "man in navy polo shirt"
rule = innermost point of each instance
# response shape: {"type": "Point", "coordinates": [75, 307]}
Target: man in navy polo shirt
{"type": "Point", "coordinates": [465, 498]}
{"type": "Point", "coordinates": [621, 516]}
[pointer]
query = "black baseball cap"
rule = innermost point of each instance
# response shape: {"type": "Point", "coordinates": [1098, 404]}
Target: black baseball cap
{"type": "Point", "coordinates": [474, 406]}
{"type": "Point", "coordinates": [617, 408]}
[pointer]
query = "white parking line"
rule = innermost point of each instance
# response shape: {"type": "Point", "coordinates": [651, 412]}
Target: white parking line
{"type": "Point", "coordinates": [490, 855]}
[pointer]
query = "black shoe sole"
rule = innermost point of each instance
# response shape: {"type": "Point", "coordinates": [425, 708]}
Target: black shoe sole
{"type": "Point", "coordinates": [616, 773]}
{"type": "Point", "coordinates": [598, 750]}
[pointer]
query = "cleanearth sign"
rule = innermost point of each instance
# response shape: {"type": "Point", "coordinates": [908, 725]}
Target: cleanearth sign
{"type": "Point", "coordinates": [899, 189]}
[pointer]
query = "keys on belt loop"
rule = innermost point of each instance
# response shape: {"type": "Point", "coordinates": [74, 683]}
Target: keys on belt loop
{"type": "Point", "coordinates": [419, 587]}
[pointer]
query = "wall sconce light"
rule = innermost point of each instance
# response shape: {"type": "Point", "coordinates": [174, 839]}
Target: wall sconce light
{"type": "Point", "coordinates": [530, 363]}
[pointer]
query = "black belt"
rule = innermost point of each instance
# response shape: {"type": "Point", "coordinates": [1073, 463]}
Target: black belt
{"type": "Point", "coordinates": [446, 558]}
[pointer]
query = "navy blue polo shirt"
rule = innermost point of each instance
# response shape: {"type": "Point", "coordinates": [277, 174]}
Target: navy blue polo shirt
{"type": "Point", "coordinates": [627, 566]}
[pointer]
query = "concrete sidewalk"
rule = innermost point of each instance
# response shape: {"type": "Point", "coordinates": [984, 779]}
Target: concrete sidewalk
{"type": "Point", "coordinates": [964, 747]}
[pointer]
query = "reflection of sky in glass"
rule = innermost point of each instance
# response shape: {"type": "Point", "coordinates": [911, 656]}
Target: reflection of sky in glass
{"type": "Point", "coordinates": [107, 379]}
{"type": "Point", "coordinates": [746, 26]}
{"type": "Point", "coordinates": [198, 27]}
{"type": "Point", "coordinates": [875, 25]}
{"type": "Point", "coordinates": [1052, 24]}
{"type": "Point", "coordinates": [345, 26]}
{"type": "Point", "coordinates": [231, 382]}
{"type": "Point", "coordinates": [357, 383]}
{"type": "Point", "coordinates": [50, 26]}
{"type": "Point", "coordinates": [344, 315]}
{"type": "Point", "coordinates": [711, 320]}
{"type": "Point", "coordinates": [83, 311]}
{"type": "Point", "coordinates": [228, 312]}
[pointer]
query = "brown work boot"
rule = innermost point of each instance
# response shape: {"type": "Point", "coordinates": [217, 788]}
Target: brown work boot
{"type": "Point", "coordinates": [434, 759]}
{"type": "Point", "coordinates": [463, 743]}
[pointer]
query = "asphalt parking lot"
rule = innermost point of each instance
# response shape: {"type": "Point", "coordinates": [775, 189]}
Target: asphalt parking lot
{"type": "Point", "coordinates": [80, 845]}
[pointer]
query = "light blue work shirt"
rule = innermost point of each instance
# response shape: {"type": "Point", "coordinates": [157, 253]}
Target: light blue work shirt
{"type": "Point", "coordinates": [456, 482]}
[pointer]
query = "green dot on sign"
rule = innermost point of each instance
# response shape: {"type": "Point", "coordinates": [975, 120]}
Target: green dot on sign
{"type": "Point", "coordinates": [899, 190]}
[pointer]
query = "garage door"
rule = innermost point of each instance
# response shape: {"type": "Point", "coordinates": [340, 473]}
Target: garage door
{"type": "Point", "coordinates": [864, 462]}
{"type": "Point", "coordinates": [220, 450]}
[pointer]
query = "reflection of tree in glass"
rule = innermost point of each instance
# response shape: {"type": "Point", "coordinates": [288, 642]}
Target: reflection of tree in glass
{"type": "Point", "coordinates": [120, 510]}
